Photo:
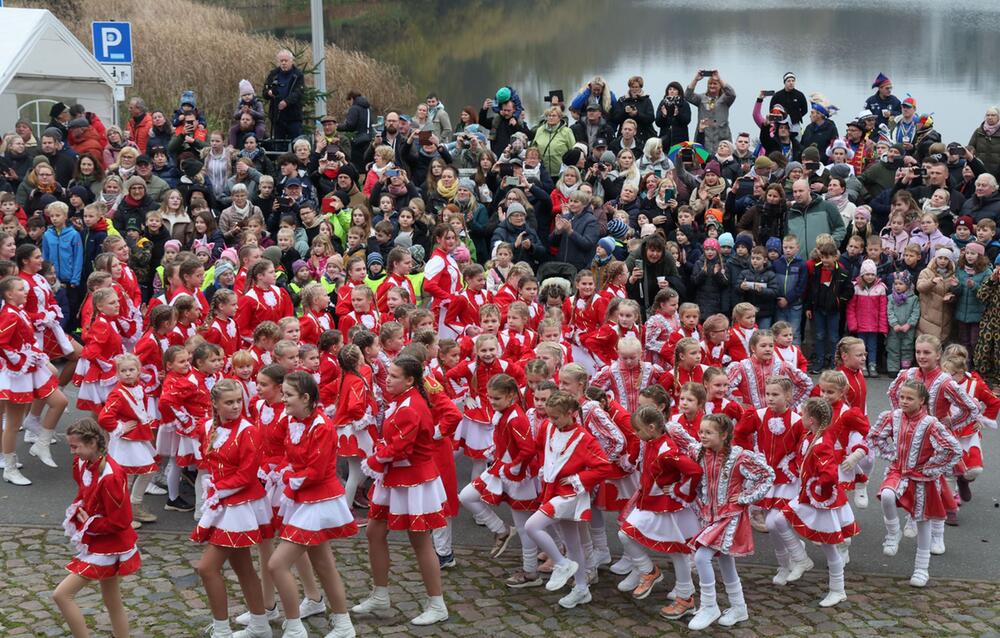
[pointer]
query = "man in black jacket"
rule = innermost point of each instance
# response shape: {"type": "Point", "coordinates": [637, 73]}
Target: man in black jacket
{"type": "Point", "coordinates": [284, 89]}
{"type": "Point", "coordinates": [358, 122]}
{"type": "Point", "coordinates": [792, 100]}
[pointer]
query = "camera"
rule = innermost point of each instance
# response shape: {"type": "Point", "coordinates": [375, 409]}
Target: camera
{"type": "Point", "coordinates": [284, 200]}
{"type": "Point", "coordinates": [511, 181]}
{"type": "Point", "coordinates": [919, 171]}
{"type": "Point", "coordinates": [672, 100]}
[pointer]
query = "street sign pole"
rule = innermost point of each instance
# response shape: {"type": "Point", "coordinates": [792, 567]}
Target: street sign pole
{"type": "Point", "coordinates": [319, 55]}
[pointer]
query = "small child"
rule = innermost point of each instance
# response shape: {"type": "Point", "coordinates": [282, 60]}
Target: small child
{"type": "Point", "coordinates": [744, 326]}
{"type": "Point", "coordinates": [663, 322]}
{"type": "Point", "coordinates": [965, 228]}
{"type": "Point", "coordinates": [830, 289]}
{"type": "Point", "coordinates": [867, 312]}
{"type": "Point", "coordinates": [758, 286]}
{"type": "Point", "coordinates": [499, 268]}
{"type": "Point", "coordinates": [938, 204]}
{"type": "Point", "coordinates": [986, 230]}
{"type": "Point", "coordinates": [251, 105]}
{"type": "Point", "coordinates": [95, 371]}
{"type": "Point", "coordinates": [903, 312]}
{"type": "Point", "coordinates": [785, 349]}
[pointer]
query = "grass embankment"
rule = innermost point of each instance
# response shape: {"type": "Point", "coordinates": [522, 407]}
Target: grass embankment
{"type": "Point", "coordinates": [181, 44]}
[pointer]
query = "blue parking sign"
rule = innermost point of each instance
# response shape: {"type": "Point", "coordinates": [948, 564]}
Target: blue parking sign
{"type": "Point", "coordinates": [112, 42]}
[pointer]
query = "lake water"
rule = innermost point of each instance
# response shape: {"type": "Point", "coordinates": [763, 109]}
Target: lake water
{"type": "Point", "coordinates": [943, 53]}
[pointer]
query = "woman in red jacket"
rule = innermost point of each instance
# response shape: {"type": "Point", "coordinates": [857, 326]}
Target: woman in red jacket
{"type": "Point", "coordinates": [99, 524]}
{"type": "Point", "coordinates": [313, 509]}
{"type": "Point", "coordinates": [408, 493]}
{"type": "Point", "coordinates": [442, 278]}
{"type": "Point", "coordinates": [235, 515]}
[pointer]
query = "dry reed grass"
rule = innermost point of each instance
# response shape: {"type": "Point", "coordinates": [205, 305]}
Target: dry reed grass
{"type": "Point", "coordinates": [181, 44]}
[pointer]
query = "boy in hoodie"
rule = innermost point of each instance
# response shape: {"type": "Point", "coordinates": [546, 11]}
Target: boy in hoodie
{"type": "Point", "coordinates": [758, 285]}
{"type": "Point", "coordinates": [94, 232]}
{"type": "Point", "coordinates": [830, 288]}
{"type": "Point", "coordinates": [736, 263]}
{"type": "Point", "coordinates": [62, 246]}
{"type": "Point", "coordinates": [790, 275]}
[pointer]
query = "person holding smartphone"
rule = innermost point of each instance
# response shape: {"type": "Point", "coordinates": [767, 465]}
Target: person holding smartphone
{"type": "Point", "coordinates": [713, 108]}
{"type": "Point", "coordinates": [791, 99]}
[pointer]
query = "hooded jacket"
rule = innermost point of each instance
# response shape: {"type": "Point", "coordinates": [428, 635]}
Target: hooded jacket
{"type": "Point", "coordinates": [64, 249]}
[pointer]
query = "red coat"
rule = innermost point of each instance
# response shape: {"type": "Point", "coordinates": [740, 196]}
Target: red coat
{"type": "Point", "coordinates": [513, 446]}
{"type": "Point", "coordinates": [272, 426]}
{"type": "Point", "coordinates": [311, 450]}
{"type": "Point", "coordinates": [868, 309]}
{"type": "Point", "coordinates": [122, 406]}
{"type": "Point", "coordinates": [405, 455]}
{"type": "Point", "coordinates": [150, 348]}
{"type": "Point", "coordinates": [581, 457]}
{"type": "Point", "coordinates": [603, 343]}
{"type": "Point", "coordinates": [139, 133]}
{"type": "Point", "coordinates": [776, 436]}
{"type": "Point", "coordinates": [258, 305]}
{"type": "Point", "coordinates": [104, 344]}
{"type": "Point", "coordinates": [102, 492]}
{"type": "Point", "coordinates": [738, 344]}
{"type": "Point", "coordinates": [312, 325]}
{"type": "Point", "coordinates": [392, 281]}
{"type": "Point", "coordinates": [231, 454]}
{"type": "Point", "coordinates": [224, 333]}
{"type": "Point", "coordinates": [668, 477]}
{"type": "Point", "coordinates": [477, 406]}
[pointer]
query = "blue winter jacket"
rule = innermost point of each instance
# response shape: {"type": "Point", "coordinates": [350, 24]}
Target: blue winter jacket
{"type": "Point", "coordinates": [64, 249]}
{"type": "Point", "coordinates": [791, 278]}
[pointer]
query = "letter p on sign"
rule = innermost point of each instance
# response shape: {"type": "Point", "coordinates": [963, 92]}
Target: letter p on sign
{"type": "Point", "coordinates": [112, 42]}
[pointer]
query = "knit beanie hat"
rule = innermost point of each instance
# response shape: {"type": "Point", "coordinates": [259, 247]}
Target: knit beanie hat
{"type": "Point", "coordinates": [221, 268]}
{"type": "Point", "coordinates": [246, 87]}
{"type": "Point", "coordinates": [773, 243]}
{"type": "Point", "coordinates": [503, 94]}
{"type": "Point", "coordinates": [726, 239]}
{"type": "Point", "coordinates": [135, 180]}
{"type": "Point", "coordinates": [975, 248]}
{"type": "Point", "coordinates": [810, 154]}
{"type": "Point", "coordinates": [273, 255]}
{"type": "Point", "coordinates": [572, 157]}
{"type": "Point", "coordinates": [607, 243]}
{"type": "Point", "coordinates": [617, 228]}
{"type": "Point", "coordinates": [711, 243]}
{"type": "Point", "coordinates": [943, 252]}
{"type": "Point", "coordinates": [868, 268]}
{"type": "Point", "coordinates": [299, 264]}
{"type": "Point", "coordinates": [230, 255]}
{"type": "Point", "coordinates": [173, 243]}
{"type": "Point", "coordinates": [744, 240]}
{"type": "Point", "coordinates": [187, 97]}
{"type": "Point", "coordinates": [374, 258]}
{"type": "Point", "coordinates": [461, 254]}
{"type": "Point", "coordinates": [864, 211]}
{"type": "Point", "coordinates": [467, 184]}
{"type": "Point", "coordinates": [57, 109]}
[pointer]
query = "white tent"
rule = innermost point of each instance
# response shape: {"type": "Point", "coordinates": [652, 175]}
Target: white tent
{"type": "Point", "coordinates": [42, 63]}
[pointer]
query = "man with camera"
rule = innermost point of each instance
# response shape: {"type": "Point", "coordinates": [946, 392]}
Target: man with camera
{"type": "Point", "coordinates": [921, 181]}
{"type": "Point", "coordinates": [284, 89]}
{"type": "Point", "coordinates": [189, 137]}
{"type": "Point", "coordinates": [501, 124]}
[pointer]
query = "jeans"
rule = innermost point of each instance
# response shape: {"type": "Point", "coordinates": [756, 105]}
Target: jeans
{"type": "Point", "coordinates": [871, 345]}
{"type": "Point", "coordinates": [826, 329]}
{"type": "Point", "coordinates": [765, 323]}
{"type": "Point", "coordinates": [793, 315]}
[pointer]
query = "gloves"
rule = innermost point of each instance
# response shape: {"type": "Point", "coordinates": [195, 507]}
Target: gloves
{"type": "Point", "coordinates": [852, 460]}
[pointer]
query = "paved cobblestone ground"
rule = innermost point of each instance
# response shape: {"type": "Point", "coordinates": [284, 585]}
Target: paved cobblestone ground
{"type": "Point", "coordinates": [165, 598]}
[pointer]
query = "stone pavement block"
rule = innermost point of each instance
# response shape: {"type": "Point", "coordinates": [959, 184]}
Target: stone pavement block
{"type": "Point", "coordinates": [165, 599]}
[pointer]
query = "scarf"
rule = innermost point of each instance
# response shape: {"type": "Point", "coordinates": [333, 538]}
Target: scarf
{"type": "Point", "coordinates": [397, 191]}
{"type": "Point", "coordinates": [605, 261]}
{"type": "Point", "coordinates": [131, 203]}
{"type": "Point", "coordinates": [46, 188]}
{"type": "Point", "coordinates": [252, 155]}
{"type": "Point", "coordinates": [970, 270]}
{"type": "Point", "coordinates": [899, 298]}
{"type": "Point", "coordinates": [446, 192]}
{"type": "Point", "coordinates": [568, 190]}
{"type": "Point", "coordinates": [990, 130]}
{"type": "Point", "coordinates": [840, 201]}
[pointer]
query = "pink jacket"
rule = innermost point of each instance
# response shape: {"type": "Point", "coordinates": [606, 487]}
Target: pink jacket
{"type": "Point", "coordinates": [867, 311]}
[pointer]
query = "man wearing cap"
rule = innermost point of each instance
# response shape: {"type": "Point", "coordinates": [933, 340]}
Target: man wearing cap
{"type": "Point", "coordinates": [883, 104]}
{"type": "Point", "coordinates": [792, 100]}
{"type": "Point", "coordinates": [903, 129]}
{"type": "Point", "coordinates": [592, 127]}
{"type": "Point", "coordinates": [329, 124]}
{"type": "Point", "coordinates": [821, 131]}
{"type": "Point", "coordinates": [155, 187]}
{"type": "Point", "coordinates": [134, 205]}
{"type": "Point", "coordinates": [59, 116]}
{"type": "Point", "coordinates": [863, 149]}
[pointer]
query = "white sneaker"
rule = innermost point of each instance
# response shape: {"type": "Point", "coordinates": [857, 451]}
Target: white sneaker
{"type": "Point", "coordinates": [14, 476]}
{"type": "Point", "coordinates": [781, 578]}
{"type": "Point", "coordinates": [631, 581]}
{"type": "Point", "coordinates": [919, 578]}
{"type": "Point", "coordinates": [576, 596]}
{"type": "Point", "coordinates": [890, 545]}
{"type": "Point", "coordinates": [734, 615]}
{"type": "Point", "coordinates": [797, 568]}
{"type": "Point", "coordinates": [861, 496]}
{"type": "Point", "coordinates": [833, 598]}
{"type": "Point", "coordinates": [937, 546]}
{"type": "Point", "coordinates": [42, 453]}
{"type": "Point", "coordinates": [432, 614]}
{"type": "Point", "coordinates": [296, 631]}
{"type": "Point", "coordinates": [910, 529]}
{"type": "Point", "coordinates": [622, 567]}
{"type": "Point", "coordinates": [561, 574]}
{"type": "Point", "coordinates": [342, 628]}
{"type": "Point", "coordinates": [251, 632]}
{"type": "Point", "coordinates": [602, 557]}
{"type": "Point", "coordinates": [371, 604]}
{"type": "Point", "coordinates": [309, 607]}
{"type": "Point", "coordinates": [272, 615]}
{"type": "Point", "coordinates": [704, 618]}
{"type": "Point", "coordinates": [155, 490]}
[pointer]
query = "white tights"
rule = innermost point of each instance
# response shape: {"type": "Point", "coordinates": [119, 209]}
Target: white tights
{"type": "Point", "coordinates": [706, 575]}
{"type": "Point", "coordinates": [354, 478]}
{"type": "Point", "coordinates": [923, 559]}
{"type": "Point", "coordinates": [787, 545]}
{"type": "Point", "coordinates": [173, 475]}
{"type": "Point", "coordinates": [139, 485]}
{"type": "Point", "coordinates": [684, 586]}
{"type": "Point", "coordinates": [536, 527]}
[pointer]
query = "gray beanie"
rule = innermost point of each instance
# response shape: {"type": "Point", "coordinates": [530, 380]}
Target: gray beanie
{"type": "Point", "coordinates": [467, 184]}
{"type": "Point", "coordinates": [608, 157]}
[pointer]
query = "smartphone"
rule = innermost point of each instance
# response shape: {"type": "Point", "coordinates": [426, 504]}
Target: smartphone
{"type": "Point", "coordinates": [425, 137]}
{"type": "Point", "coordinates": [511, 181]}
{"type": "Point", "coordinates": [811, 166]}
{"type": "Point", "coordinates": [392, 172]}
{"type": "Point", "coordinates": [767, 93]}
{"type": "Point", "coordinates": [707, 72]}
{"type": "Point", "coordinates": [669, 194]}
{"type": "Point", "coordinates": [919, 171]}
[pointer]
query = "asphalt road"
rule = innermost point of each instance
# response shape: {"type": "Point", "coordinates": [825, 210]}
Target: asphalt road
{"type": "Point", "coordinates": [971, 547]}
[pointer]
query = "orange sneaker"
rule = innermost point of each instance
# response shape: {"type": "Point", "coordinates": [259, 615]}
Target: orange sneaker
{"type": "Point", "coordinates": [646, 582]}
{"type": "Point", "coordinates": [678, 609]}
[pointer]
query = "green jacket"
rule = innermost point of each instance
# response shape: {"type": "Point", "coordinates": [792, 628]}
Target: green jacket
{"type": "Point", "coordinates": [553, 144]}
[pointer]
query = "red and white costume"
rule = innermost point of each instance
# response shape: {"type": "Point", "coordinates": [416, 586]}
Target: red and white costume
{"type": "Point", "coordinates": [621, 447]}
{"type": "Point", "coordinates": [715, 355]}
{"type": "Point", "coordinates": [511, 477]}
{"type": "Point", "coordinates": [947, 398]}
{"type": "Point", "coordinates": [224, 333]}
{"type": "Point", "coordinates": [742, 474]}
{"type": "Point", "coordinates": [969, 436]}
{"type": "Point", "coordinates": [503, 298]}
{"type": "Point", "coordinates": [343, 305]}
{"type": "Point", "coordinates": [408, 492]}
{"type": "Point", "coordinates": [820, 512]}
{"type": "Point", "coordinates": [670, 349]}
{"type": "Point", "coordinates": [354, 418]}
{"type": "Point", "coordinates": [738, 345]}
{"type": "Point", "coordinates": [391, 281]}
{"type": "Point", "coordinates": [514, 345]}
{"type": "Point", "coordinates": [857, 388]}
{"type": "Point", "coordinates": [129, 319]}
{"type": "Point", "coordinates": [579, 317]}
{"type": "Point", "coordinates": [463, 311]}
{"type": "Point", "coordinates": [572, 454]}
{"type": "Point", "coordinates": [603, 342]}
{"type": "Point", "coordinates": [24, 372]}
{"type": "Point", "coordinates": [448, 417]}
{"type": "Point", "coordinates": [132, 450]}
{"type": "Point", "coordinates": [662, 518]}
{"type": "Point", "coordinates": [106, 543]}
{"type": "Point", "coordinates": [236, 512]}
{"type": "Point", "coordinates": [747, 378]}
{"type": "Point", "coordinates": [184, 403]}
{"type": "Point", "coordinates": [313, 508]}
{"type": "Point", "coordinates": [474, 435]}
{"type": "Point", "coordinates": [624, 383]}
{"type": "Point", "coordinates": [150, 348]}
{"type": "Point", "coordinates": [95, 371]}
{"type": "Point", "coordinates": [183, 330]}
{"type": "Point", "coordinates": [848, 433]}
{"type": "Point", "coordinates": [261, 304]}
{"type": "Point", "coordinates": [442, 282]}
{"type": "Point", "coordinates": [681, 375]}
{"type": "Point", "coordinates": [329, 381]}
{"type": "Point", "coordinates": [659, 329]}
{"type": "Point", "coordinates": [43, 313]}
{"type": "Point", "coordinates": [792, 355]}
{"type": "Point", "coordinates": [920, 450]}
{"type": "Point", "coordinates": [312, 325]}
{"type": "Point", "coordinates": [370, 320]}
{"type": "Point", "coordinates": [272, 426]}
{"type": "Point", "coordinates": [603, 300]}
{"type": "Point", "coordinates": [691, 425]}
{"type": "Point", "coordinates": [778, 438]}
{"type": "Point", "coordinates": [730, 408]}
{"type": "Point", "coordinates": [130, 283]}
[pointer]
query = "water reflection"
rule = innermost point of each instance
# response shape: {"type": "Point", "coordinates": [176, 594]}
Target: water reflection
{"type": "Point", "coordinates": [944, 56]}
